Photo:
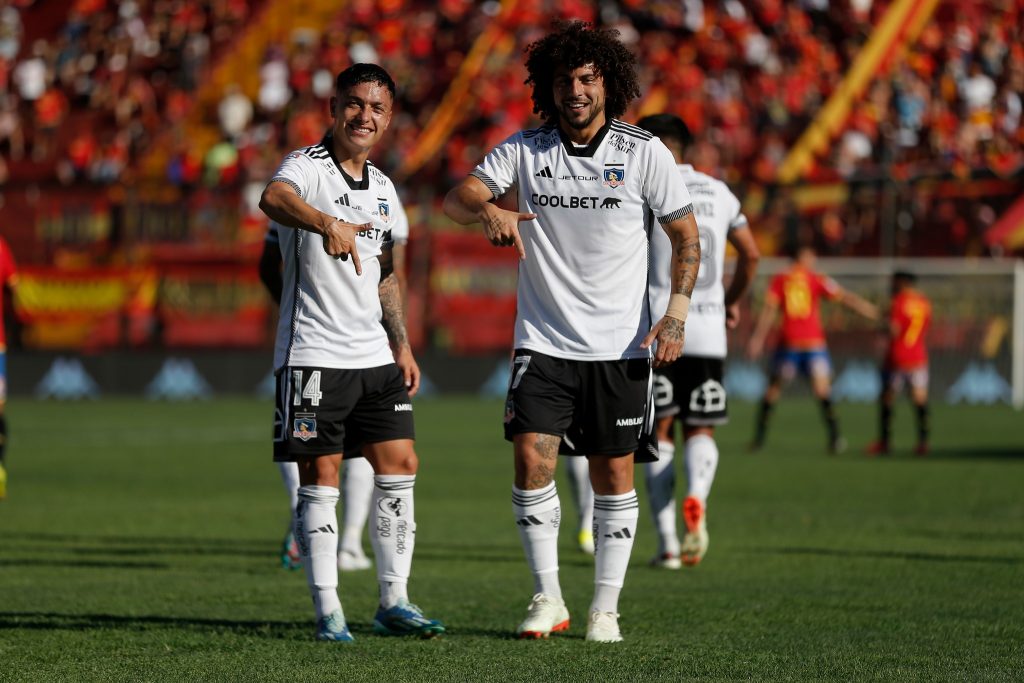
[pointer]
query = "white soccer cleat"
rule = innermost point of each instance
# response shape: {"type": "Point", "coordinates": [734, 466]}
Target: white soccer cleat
{"type": "Point", "coordinates": [695, 542]}
{"type": "Point", "coordinates": [546, 615]}
{"type": "Point", "coordinates": [353, 560]}
{"type": "Point", "coordinates": [666, 561]}
{"type": "Point", "coordinates": [603, 627]}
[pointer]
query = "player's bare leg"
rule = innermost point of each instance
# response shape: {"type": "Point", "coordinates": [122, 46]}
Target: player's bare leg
{"type": "Point", "coordinates": [394, 538]}
{"type": "Point", "coordinates": [661, 483]}
{"type": "Point", "coordinates": [616, 511]}
{"type": "Point", "coordinates": [316, 524]}
{"type": "Point", "coordinates": [538, 515]}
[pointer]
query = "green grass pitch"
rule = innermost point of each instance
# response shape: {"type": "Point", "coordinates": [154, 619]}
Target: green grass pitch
{"type": "Point", "coordinates": [140, 542]}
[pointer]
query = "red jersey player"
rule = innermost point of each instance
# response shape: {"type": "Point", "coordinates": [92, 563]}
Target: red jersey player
{"type": "Point", "coordinates": [906, 361]}
{"type": "Point", "coordinates": [8, 278]}
{"type": "Point", "coordinates": [797, 292]}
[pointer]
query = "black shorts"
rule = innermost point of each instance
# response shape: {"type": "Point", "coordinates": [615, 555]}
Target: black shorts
{"type": "Point", "coordinates": [692, 389]}
{"type": "Point", "coordinates": [323, 411]}
{"type": "Point", "coordinates": [596, 407]}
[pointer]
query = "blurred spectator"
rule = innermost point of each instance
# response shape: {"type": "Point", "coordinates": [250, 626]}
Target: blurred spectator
{"type": "Point", "coordinates": [234, 112]}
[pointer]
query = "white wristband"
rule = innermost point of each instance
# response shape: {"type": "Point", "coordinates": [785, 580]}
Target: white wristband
{"type": "Point", "coordinates": [678, 306]}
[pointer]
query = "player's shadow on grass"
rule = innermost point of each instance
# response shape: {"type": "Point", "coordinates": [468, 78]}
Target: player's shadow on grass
{"type": "Point", "coordinates": [967, 453]}
{"type": "Point", "coordinates": [276, 630]}
{"type": "Point", "coordinates": [127, 546]}
{"type": "Point", "coordinates": [895, 555]}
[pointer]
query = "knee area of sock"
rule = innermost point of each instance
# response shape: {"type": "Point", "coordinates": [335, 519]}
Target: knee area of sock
{"type": "Point", "coordinates": [319, 494]}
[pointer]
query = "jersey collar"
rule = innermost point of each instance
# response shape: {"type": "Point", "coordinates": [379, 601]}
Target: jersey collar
{"type": "Point", "coordinates": [588, 151]}
{"type": "Point", "coordinates": [362, 184]}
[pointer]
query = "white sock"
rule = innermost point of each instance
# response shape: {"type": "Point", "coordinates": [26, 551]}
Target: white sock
{"type": "Point", "coordinates": [290, 479]}
{"type": "Point", "coordinates": [316, 524]}
{"type": "Point", "coordinates": [356, 496]}
{"type": "Point", "coordinates": [701, 463]}
{"type": "Point", "coordinates": [661, 485]}
{"type": "Point", "coordinates": [538, 515]}
{"type": "Point", "coordinates": [394, 535]}
{"type": "Point", "coordinates": [615, 520]}
{"type": "Point", "coordinates": [578, 469]}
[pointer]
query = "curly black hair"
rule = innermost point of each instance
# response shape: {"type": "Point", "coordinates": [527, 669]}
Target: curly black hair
{"type": "Point", "coordinates": [577, 44]}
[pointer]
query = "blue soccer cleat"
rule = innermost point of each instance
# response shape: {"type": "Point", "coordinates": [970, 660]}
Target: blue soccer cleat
{"type": "Point", "coordinates": [405, 619]}
{"type": "Point", "coordinates": [333, 628]}
{"type": "Point", "coordinates": [290, 556]}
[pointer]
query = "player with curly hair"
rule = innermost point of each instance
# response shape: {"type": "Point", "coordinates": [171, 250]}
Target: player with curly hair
{"type": "Point", "coordinates": [589, 190]}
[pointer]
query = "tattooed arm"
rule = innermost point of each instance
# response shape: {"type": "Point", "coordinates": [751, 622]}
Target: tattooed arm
{"type": "Point", "coordinates": [394, 324]}
{"type": "Point", "coordinates": [670, 331]}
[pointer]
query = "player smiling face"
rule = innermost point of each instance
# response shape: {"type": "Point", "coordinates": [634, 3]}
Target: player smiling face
{"type": "Point", "coordinates": [579, 96]}
{"type": "Point", "coordinates": [361, 115]}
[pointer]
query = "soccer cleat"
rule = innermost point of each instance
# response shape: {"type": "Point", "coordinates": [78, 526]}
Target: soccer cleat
{"type": "Point", "coordinates": [546, 615]}
{"type": "Point", "coordinates": [586, 540]}
{"type": "Point", "coordinates": [405, 619]}
{"type": "Point", "coordinates": [290, 556]}
{"type": "Point", "coordinates": [666, 561]}
{"type": "Point", "coordinates": [695, 542]}
{"type": "Point", "coordinates": [333, 628]}
{"type": "Point", "coordinates": [603, 627]}
{"type": "Point", "coordinates": [353, 560]}
{"type": "Point", "coordinates": [877, 448]}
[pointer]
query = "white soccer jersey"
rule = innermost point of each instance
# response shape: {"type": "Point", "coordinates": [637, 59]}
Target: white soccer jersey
{"type": "Point", "coordinates": [331, 317]}
{"type": "Point", "coordinates": [717, 211]}
{"type": "Point", "coordinates": [581, 292]}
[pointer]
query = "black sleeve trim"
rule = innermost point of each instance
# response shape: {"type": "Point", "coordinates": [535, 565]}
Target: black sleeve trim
{"type": "Point", "coordinates": [486, 179]}
{"type": "Point", "coordinates": [676, 215]}
{"type": "Point", "coordinates": [288, 181]}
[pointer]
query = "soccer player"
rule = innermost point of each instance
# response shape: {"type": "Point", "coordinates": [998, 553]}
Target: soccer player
{"type": "Point", "coordinates": [690, 391]}
{"type": "Point", "coordinates": [802, 347]}
{"type": "Point", "coordinates": [8, 281]}
{"type": "Point", "coordinates": [357, 475]}
{"type": "Point", "coordinates": [345, 371]}
{"type": "Point", "coordinates": [906, 362]}
{"type": "Point", "coordinates": [591, 188]}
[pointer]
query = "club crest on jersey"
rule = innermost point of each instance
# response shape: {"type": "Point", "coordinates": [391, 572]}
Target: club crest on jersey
{"type": "Point", "coordinates": [385, 210]}
{"type": "Point", "coordinates": [614, 175]}
{"type": "Point", "coordinates": [304, 426]}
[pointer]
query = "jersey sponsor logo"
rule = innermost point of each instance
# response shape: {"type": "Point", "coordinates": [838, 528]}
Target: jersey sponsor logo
{"type": "Point", "coordinates": [570, 176]}
{"type": "Point", "coordinates": [629, 421]}
{"type": "Point", "coordinates": [304, 426]}
{"type": "Point", "coordinates": [572, 202]}
{"type": "Point", "coordinates": [614, 175]}
{"type": "Point", "coordinates": [619, 142]}
{"type": "Point", "coordinates": [342, 200]}
{"type": "Point", "coordinates": [543, 173]}
{"type": "Point", "coordinates": [403, 407]}
{"type": "Point", "coordinates": [375, 234]}
{"type": "Point", "coordinates": [610, 203]}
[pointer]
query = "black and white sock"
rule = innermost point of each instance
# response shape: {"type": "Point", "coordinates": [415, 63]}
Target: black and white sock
{"type": "Point", "coordinates": [538, 516]}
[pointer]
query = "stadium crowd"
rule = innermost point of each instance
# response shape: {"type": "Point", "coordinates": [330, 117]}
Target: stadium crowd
{"type": "Point", "coordinates": [87, 102]}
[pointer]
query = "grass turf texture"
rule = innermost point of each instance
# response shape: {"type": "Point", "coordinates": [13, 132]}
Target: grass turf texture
{"type": "Point", "coordinates": [140, 542]}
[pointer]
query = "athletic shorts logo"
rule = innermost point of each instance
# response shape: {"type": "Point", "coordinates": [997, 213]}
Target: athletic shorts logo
{"type": "Point", "coordinates": [304, 426]}
{"type": "Point", "coordinates": [613, 175]}
{"type": "Point", "coordinates": [396, 507]}
{"type": "Point", "coordinates": [403, 407]}
{"type": "Point", "coordinates": [708, 397]}
{"type": "Point", "coordinates": [629, 421]}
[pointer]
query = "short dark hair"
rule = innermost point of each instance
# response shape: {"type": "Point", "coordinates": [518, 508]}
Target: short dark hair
{"type": "Point", "coordinates": [667, 127]}
{"type": "Point", "coordinates": [364, 73]}
{"type": "Point", "coordinates": [904, 277]}
{"type": "Point", "coordinates": [577, 44]}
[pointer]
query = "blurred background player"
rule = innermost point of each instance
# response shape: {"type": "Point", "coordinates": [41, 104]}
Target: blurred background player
{"type": "Point", "coordinates": [906, 361]}
{"type": "Point", "coordinates": [345, 370]}
{"type": "Point", "coordinates": [8, 280]}
{"type": "Point", "coordinates": [590, 189]}
{"type": "Point", "coordinates": [578, 471]}
{"type": "Point", "coordinates": [357, 473]}
{"type": "Point", "coordinates": [797, 292]}
{"type": "Point", "coordinates": [690, 390]}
